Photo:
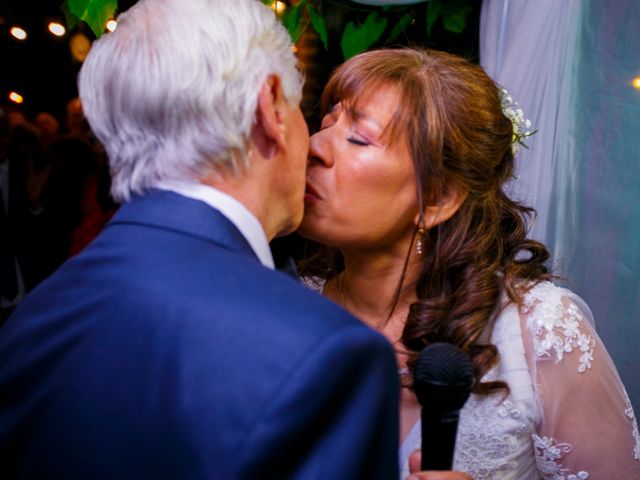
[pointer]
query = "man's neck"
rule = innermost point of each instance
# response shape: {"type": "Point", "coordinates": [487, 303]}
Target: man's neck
{"type": "Point", "coordinates": [253, 189]}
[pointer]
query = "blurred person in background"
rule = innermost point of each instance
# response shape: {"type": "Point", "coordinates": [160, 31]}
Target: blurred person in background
{"type": "Point", "coordinates": [48, 126]}
{"type": "Point", "coordinates": [12, 194]}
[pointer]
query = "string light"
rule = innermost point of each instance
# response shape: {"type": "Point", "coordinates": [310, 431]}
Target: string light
{"type": "Point", "coordinates": [57, 29]}
{"type": "Point", "coordinates": [279, 6]}
{"type": "Point", "coordinates": [111, 25]}
{"type": "Point", "coordinates": [18, 33]}
{"type": "Point", "coordinates": [15, 97]}
{"type": "Point", "coordinates": [636, 82]}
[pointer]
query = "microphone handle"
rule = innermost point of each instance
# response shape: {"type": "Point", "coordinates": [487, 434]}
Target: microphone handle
{"type": "Point", "coordinates": [438, 439]}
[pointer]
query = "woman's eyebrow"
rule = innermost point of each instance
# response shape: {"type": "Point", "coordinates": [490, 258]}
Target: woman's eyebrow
{"type": "Point", "coordinates": [355, 114]}
{"type": "Point", "coordinates": [360, 115]}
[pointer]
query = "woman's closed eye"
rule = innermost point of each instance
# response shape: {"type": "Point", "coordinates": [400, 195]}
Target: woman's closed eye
{"type": "Point", "coordinates": [358, 141]}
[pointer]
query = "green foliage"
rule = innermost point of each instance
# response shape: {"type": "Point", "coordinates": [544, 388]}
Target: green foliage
{"type": "Point", "coordinates": [355, 35]}
{"type": "Point", "coordinates": [385, 23]}
{"type": "Point", "coordinates": [95, 13]}
{"type": "Point", "coordinates": [294, 20]}
{"type": "Point", "coordinates": [356, 39]}
{"type": "Point", "coordinates": [454, 15]}
{"type": "Point", "coordinates": [434, 10]}
{"type": "Point", "coordinates": [319, 24]}
{"type": "Point", "coordinates": [400, 26]}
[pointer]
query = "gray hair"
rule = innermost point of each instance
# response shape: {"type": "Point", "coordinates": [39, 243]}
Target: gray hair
{"type": "Point", "coordinates": [172, 93]}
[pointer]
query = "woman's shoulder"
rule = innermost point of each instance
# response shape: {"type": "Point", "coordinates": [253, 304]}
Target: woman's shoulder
{"type": "Point", "coordinates": [543, 292]}
{"type": "Point", "coordinates": [559, 322]}
{"type": "Point", "coordinates": [546, 299]}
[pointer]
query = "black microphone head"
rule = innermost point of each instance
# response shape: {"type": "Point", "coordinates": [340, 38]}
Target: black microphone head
{"type": "Point", "coordinates": [443, 378]}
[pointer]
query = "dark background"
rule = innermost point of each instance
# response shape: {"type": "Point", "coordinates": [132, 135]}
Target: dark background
{"type": "Point", "coordinates": [42, 70]}
{"type": "Point", "coordinates": [39, 68]}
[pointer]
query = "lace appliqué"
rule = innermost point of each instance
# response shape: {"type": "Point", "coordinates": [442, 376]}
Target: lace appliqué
{"type": "Point", "coordinates": [630, 415]}
{"type": "Point", "coordinates": [548, 450]}
{"type": "Point", "coordinates": [485, 449]}
{"type": "Point", "coordinates": [556, 327]}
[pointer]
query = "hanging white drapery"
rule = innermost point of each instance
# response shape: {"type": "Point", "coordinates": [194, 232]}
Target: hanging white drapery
{"type": "Point", "coordinates": [570, 64]}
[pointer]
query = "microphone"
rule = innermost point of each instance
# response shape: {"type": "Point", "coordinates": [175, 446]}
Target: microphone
{"type": "Point", "coordinates": [442, 380]}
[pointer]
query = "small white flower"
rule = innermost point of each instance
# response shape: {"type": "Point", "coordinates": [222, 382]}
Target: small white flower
{"type": "Point", "coordinates": [521, 125]}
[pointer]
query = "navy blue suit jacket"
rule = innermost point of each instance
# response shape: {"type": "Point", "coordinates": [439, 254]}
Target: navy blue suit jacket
{"type": "Point", "coordinates": [166, 350]}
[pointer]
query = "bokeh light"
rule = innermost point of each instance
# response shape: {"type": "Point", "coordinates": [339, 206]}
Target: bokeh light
{"type": "Point", "coordinates": [57, 29]}
{"type": "Point", "coordinates": [15, 97]}
{"type": "Point", "coordinates": [279, 6]}
{"type": "Point", "coordinates": [18, 33]}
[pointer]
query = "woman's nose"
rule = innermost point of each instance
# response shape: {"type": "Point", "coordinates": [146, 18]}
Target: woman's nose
{"type": "Point", "coordinates": [320, 152]}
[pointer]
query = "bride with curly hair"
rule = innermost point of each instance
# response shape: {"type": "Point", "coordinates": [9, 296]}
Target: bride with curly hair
{"type": "Point", "coordinates": [419, 240]}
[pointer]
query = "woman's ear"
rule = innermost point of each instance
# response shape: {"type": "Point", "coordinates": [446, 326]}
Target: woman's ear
{"type": "Point", "coordinates": [267, 133]}
{"type": "Point", "coordinates": [445, 208]}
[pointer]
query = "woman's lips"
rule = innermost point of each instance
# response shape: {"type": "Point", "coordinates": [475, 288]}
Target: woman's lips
{"type": "Point", "coordinates": [311, 193]}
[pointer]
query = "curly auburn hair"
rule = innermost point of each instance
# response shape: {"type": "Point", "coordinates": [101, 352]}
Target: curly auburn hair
{"type": "Point", "coordinates": [451, 117]}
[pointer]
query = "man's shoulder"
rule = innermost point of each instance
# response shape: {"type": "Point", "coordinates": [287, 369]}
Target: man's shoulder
{"type": "Point", "coordinates": [272, 298]}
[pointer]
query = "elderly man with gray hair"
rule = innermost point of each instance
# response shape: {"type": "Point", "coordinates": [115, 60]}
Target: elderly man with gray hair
{"type": "Point", "coordinates": [170, 347]}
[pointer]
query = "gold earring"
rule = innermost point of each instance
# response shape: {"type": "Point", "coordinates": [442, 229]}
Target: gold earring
{"type": "Point", "coordinates": [420, 241]}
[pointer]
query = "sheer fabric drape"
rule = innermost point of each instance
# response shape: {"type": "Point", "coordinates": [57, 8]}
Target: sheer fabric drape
{"type": "Point", "coordinates": [570, 65]}
{"type": "Point", "coordinates": [587, 428]}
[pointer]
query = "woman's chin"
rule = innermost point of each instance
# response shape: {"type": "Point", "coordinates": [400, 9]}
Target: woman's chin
{"type": "Point", "coordinates": [308, 229]}
{"type": "Point", "coordinates": [304, 230]}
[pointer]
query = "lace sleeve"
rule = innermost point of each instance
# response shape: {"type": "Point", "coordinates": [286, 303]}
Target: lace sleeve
{"type": "Point", "coordinates": [587, 428]}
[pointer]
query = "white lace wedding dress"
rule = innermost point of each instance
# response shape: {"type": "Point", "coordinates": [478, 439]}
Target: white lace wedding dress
{"type": "Point", "coordinates": [567, 416]}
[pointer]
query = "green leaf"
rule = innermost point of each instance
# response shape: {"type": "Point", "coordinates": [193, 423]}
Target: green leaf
{"type": "Point", "coordinates": [434, 8]}
{"type": "Point", "coordinates": [292, 20]}
{"type": "Point", "coordinates": [357, 39]}
{"type": "Point", "coordinates": [400, 26]}
{"type": "Point", "coordinates": [319, 25]}
{"type": "Point", "coordinates": [94, 12]}
{"type": "Point", "coordinates": [71, 20]}
{"type": "Point", "coordinates": [454, 15]}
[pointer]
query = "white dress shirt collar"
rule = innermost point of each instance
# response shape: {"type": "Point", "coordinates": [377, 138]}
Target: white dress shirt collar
{"type": "Point", "coordinates": [231, 208]}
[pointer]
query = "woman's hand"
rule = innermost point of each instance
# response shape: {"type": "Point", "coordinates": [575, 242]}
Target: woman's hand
{"type": "Point", "coordinates": [416, 474]}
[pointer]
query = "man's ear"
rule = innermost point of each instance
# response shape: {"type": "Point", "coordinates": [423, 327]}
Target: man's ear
{"type": "Point", "coordinates": [267, 133]}
{"type": "Point", "coordinates": [446, 208]}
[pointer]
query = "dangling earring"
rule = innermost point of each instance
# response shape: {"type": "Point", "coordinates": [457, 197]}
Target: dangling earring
{"type": "Point", "coordinates": [420, 241]}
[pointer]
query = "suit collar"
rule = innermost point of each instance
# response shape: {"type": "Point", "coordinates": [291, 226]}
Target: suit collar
{"type": "Point", "coordinates": [170, 211]}
{"type": "Point", "coordinates": [235, 211]}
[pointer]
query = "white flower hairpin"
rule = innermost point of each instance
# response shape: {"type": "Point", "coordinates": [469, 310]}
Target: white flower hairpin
{"type": "Point", "coordinates": [521, 125]}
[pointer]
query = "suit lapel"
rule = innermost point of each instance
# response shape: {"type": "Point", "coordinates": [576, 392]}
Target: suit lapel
{"type": "Point", "coordinates": [169, 211]}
